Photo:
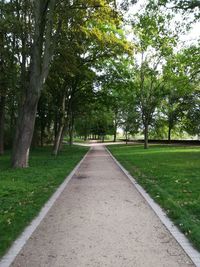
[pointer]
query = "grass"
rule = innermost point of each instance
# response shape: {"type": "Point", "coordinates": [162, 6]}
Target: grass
{"type": "Point", "coordinates": [24, 191]}
{"type": "Point", "coordinates": [171, 175]}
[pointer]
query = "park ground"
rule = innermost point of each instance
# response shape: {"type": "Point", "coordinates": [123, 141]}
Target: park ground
{"type": "Point", "coordinates": [170, 174]}
{"type": "Point", "coordinates": [23, 192]}
{"type": "Point", "coordinates": [99, 220]}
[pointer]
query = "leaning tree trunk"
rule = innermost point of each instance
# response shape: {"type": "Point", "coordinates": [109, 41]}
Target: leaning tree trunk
{"type": "Point", "coordinates": [146, 133]}
{"type": "Point", "coordinates": [64, 131]}
{"type": "Point", "coordinates": [61, 127]}
{"type": "Point", "coordinates": [2, 118]}
{"type": "Point", "coordinates": [40, 62]}
{"type": "Point", "coordinates": [57, 140]}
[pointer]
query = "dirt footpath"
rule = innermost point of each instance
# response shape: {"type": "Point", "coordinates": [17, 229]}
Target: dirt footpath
{"type": "Point", "coordinates": [101, 220]}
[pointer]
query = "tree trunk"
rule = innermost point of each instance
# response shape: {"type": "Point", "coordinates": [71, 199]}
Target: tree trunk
{"type": "Point", "coordinates": [2, 118]}
{"type": "Point", "coordinates": [62, 137]}
{"type": "Point", "coordinates": [55, 124]}
{"type": "Point", "coordinates": [24, 133]}
{"type": "Point", "coordinates": [115, 133]}
{"type": "Point", "coordinates": [146, 132]}
{"type": "Point", "coordinates": [115, 128]}
{"type": "Point", "coordinates": [57, 140]}
{"type": "Point", "coordinates": [40, 61]}
{"type": "Point", "coordinates": [126, 137]}
{"type": "Point", "coordinates": [3, 91]}
{"type": "Point", "coordinates": [169, 134]}
{"type": "Point", "coordinates": [61, 127]}
{"type": "Point", "coordinates": [71, 130]}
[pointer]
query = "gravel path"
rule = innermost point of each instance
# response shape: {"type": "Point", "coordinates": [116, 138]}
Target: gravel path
{"type": "Point", "coordinates": [101, 220]}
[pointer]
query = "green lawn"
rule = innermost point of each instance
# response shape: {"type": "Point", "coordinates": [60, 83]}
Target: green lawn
{"type": "Point", "coordinates": [171, 175]}
{"type": "Point", "coordinates": [24, 191]}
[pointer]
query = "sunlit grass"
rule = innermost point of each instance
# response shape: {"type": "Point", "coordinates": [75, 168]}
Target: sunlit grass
{"type": "Point", "coordinates": [171, 175]}
{"type": "Point", "coordinates": [24, 191]}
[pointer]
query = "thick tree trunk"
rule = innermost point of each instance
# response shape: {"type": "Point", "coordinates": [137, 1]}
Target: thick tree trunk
{"type": "Point", "coordinates": [2, 118]}
{"type": "Point", "coordinates": [40, 60]}
{"type": "Point", "coordinates": [146, 133]}
{"type": "Point", "coordinates": [24, 133]}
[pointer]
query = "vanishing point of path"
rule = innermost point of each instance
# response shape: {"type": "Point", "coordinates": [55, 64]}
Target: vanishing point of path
{"type": "Point", "coordinates": [101, 220]}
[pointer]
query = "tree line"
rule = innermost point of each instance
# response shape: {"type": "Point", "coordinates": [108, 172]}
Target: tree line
{"type": "Point", "coordinates": [68, 66]}
{"type": "Point", "coordinates": [47, 50]}
{"type": "Point", "coordinates": [154, 91]}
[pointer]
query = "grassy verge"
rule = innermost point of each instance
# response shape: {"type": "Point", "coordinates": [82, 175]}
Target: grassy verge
{"type": "Point", "coordinates": [24, 191]}
{"type": "Point", "coordinates": [171, 175]}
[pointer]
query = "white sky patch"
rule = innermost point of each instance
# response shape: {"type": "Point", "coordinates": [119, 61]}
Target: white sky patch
{"type": "Point", "coordinates": [191, 37]}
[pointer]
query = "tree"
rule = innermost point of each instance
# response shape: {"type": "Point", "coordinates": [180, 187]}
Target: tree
{"type": "Point", "coordinates": [183, 6]}
{"type": "Point", "coordinates": [40, 61]}
{"type": "Point", "coordinates": [8, 62]}
{"type": "Point", "coordinates": [114, 84]}
{"type": "Point", "coordinates": [155, 43]}
{"type": "Point", "coordinates": [192, 117]}
{"type": "Point", "coordinates": [47, 25]}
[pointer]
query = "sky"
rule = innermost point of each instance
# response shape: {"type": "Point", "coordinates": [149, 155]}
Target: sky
{"type": "Point", "coordinates": [185, 40]}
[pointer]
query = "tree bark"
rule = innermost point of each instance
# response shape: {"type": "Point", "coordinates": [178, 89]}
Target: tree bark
{"type": "Point", "coordinates": [62, 137]}
{"type": "Point", "coordinates": [3, 90]}
{"type": "Point", "coordinates": [55, 124]}
{"type": "Point", "coordinates": [115, 127]}
{"type": "Point", "coordinates": [61, 127]}
{"type": "Point", "coordinates": [2, 119]}
{"type": "Point", "coordinates": [169, 134]}
{"type": "Point", "coordinates": [71, 130]}
{"type": "Point", "coordinates": [24, 132]}
{"type": "Point", "coordinates": [38, 73]}
{"type": "Point", "coordinates": [115, 133]}
{"type": "Point", "coordinates": [57, 140]}
{"type": "Point", "coordinates": [126, 137]}
{"type": "Point", "coordinates": [146, 133]}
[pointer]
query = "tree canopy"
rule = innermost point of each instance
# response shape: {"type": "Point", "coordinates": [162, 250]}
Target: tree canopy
{"type": "Point", "coordinates": [82, 68]}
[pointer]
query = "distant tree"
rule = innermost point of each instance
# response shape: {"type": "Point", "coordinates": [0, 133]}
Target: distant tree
{"type": "Point", "coordinates": [155, 42]}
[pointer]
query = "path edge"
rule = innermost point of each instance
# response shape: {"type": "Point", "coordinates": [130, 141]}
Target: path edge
{"type": "Point", "coordinates": [19, 243]}
{"type": "Point", "coordinates": [192, 253]}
